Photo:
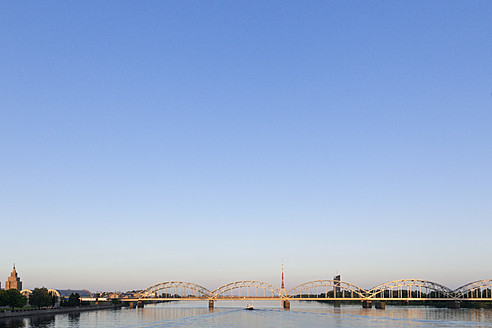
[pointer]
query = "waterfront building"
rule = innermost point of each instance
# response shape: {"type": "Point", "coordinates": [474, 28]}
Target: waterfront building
{"type": "Point", "coordinates": [65, 294]}
{"type": "Point", "coordinates": [13, 282]}
{"type": "Point", "coordinates": [61, 294]}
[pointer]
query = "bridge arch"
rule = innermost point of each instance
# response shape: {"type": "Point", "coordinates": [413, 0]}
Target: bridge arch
{"type": "Point", "coordinates": [176, 289]}
{"type": "Point", "coordinates": [477, 289]}
{"type": "Point", "coordinates": [246, 288]}
{"type": "Point", "coordinates": [326, 289]}
{"type": "Point", "coordinates": [410, 288]}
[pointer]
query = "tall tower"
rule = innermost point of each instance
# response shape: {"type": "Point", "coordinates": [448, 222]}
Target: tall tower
{"type": "Point", "coordinates": [282, 286]}
{"type": "Point", "coordinates": [283, 294]}
{"type": "Point", "coordinates": [13, 282]}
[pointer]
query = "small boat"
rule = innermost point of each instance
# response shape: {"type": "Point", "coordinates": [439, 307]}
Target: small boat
{"type": "Point", "coordinates": [249, 307]}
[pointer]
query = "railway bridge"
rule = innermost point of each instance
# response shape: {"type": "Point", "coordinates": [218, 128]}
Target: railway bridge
{"type": "Point", "coordinates": [318, 290]}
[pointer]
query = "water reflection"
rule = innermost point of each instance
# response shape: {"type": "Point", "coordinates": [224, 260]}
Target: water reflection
{"type": "Point", "coordinates": [407, 313]}
{"type": "Point", "coordinates": [153, 314]}
{"type": "Point", "coordinates": [74, 318]}
{"type": "Point", "coordinates": [44, 321]}
{"type": "Point", "coordinates": [12, 323]}
{"type": "Point", "coordinates": [266, 315]}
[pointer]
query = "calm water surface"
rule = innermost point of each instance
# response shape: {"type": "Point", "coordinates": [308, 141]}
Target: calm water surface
{"type": "Point", "coordinates": [266, 314]}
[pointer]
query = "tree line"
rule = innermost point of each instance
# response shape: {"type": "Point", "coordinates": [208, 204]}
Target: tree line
{"type": "Point", "coordinates": [12, 298]}
{"type": "Point", "coordinates": [40, 298]}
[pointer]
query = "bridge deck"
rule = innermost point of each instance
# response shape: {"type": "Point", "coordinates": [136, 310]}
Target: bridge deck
{"type": "Point", "coordinates": [250, 298]}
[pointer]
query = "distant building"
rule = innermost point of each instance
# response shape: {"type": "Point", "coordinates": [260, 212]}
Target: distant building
{"type": "Point", "coordinates": [26, 293]}
{"type": "Point", "coordinates": [13, 282]}
{"type": "Point", "coordinates": [336, 287]}
{"type": "Point", "coordinates": [61, 294]}
{"type": "Point", "coordinates": [65, 293]}
{"type": "Point", "coordinates": [113, 296]}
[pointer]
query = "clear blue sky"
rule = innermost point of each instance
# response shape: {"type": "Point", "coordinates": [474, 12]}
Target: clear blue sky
{"type": "Point", "coordinates": [147, 141]}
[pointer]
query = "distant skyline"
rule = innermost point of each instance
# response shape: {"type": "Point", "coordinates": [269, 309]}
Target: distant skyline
{"type": "Point", "coordinates": [279, 285]}
{"type": "Point", "coordinates": [151, 141]}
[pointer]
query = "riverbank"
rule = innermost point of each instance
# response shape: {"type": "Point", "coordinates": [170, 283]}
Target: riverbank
{"type": "Point", "coordinates": [28, 313]}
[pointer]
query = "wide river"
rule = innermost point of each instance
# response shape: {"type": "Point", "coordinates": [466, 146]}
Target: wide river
{"type": "Point", "coordinates": [266, 314]}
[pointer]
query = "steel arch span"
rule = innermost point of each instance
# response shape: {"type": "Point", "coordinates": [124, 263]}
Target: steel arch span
{"type": "Point", "coordinates": [326, 289]}
{"type": "Point", "coordinates": [474, 290]}
{"type": "Point", "coordinates": [410, 288]}
{"type": "Point", "coordinates": [177, 289]}
{"type": "Point", "coordinates": [248, 287]}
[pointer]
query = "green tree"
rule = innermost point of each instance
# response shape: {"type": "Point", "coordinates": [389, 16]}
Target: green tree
{"type": "Point", "coordinates": [3, 297]}
{"type": "Point", "coordinates": [40, 297]}
{"type": "Point", "coordinates": [74, 300]}
{"type": "Point", "coordinates": [14, 298]}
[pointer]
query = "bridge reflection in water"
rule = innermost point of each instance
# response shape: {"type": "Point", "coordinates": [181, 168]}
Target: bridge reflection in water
{"type": "Point", "coordinates": [321, 290]}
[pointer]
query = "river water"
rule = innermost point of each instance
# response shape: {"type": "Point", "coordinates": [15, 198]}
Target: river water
{"type": "Point", "coordinates": [265, 315]}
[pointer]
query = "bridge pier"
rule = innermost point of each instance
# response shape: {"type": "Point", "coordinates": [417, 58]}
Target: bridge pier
{"type": "Point", "coordinates": [454, 304]}
{"type": "Point", "coordinates": [132, 305]}
{"type": "Point", "coordinates": [140, 304]}
{"type": "Point", "coordinates": [210, 304]}
{"type": "Point", "coordinates": [366, 304]}
{"type": "Point", "coordinates": [286, 304]}
{"type": "Point", "coordinates": [380, 305]}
